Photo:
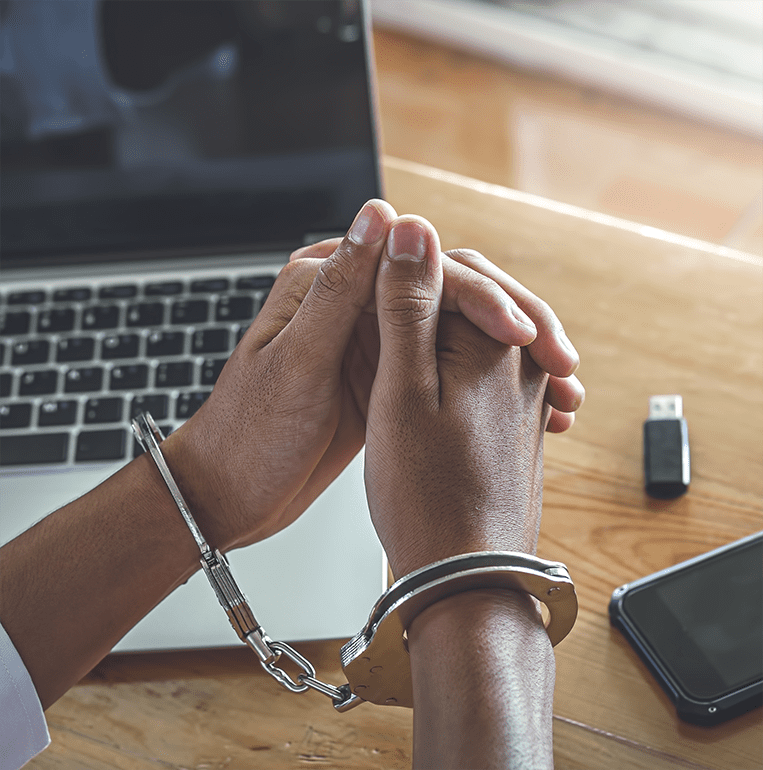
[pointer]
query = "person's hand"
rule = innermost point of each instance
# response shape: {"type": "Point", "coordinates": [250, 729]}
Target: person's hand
{"type": "Point", "coordinates": [455, 420]}
{"type": "Point", "coordinates": [282, 420]}
{"type": "Point", "coordinates": [551, 349]}
{"type": "Point", "coordinates": [504, 309]}
{"type": "Point", "coordinates": [481, 292]}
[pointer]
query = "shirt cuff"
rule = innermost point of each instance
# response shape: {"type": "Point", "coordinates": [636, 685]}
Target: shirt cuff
{"type": "Point", "coordinates": [23, 730]}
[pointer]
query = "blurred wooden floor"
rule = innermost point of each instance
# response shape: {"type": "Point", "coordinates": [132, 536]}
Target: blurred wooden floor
{"type": "Point", "coordinates": [455, 111]}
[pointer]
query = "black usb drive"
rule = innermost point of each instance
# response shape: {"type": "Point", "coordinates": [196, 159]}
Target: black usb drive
{"type": "Point", "coordinates": [666, 448]}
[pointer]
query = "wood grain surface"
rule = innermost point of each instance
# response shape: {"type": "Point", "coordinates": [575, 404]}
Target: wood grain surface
{"type": "Point", "coordinates": [650, 313]}
{"type": "Point", "coordinates": [458, 111]}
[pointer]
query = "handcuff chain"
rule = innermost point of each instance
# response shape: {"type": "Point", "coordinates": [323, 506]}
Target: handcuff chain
{"type": "Point", "coordinates": [380, 645]}
{"type": "Point", "coordinates": [230, 596]}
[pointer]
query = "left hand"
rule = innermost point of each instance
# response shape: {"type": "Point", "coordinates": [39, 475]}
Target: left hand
{"type": "Point", "coordinates": [254, 456]}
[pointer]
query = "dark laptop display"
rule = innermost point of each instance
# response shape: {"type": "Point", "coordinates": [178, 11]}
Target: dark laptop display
{"type": "Point", "coordinates": [137, 129]}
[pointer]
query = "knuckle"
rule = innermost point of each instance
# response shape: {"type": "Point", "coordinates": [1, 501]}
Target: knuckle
{"type": "Point", "coordinates": [295, 277]}
{"type": "Point", "coordinates": [407, 304]}
{"type": "Point", "coordinates": [297, 272]}
{"type": "Point", "coordinates": [330, 281]}
{"type": "Point", "coordinates": [541, 311]}
{"type": "Point", "coordinates": [466, 256]}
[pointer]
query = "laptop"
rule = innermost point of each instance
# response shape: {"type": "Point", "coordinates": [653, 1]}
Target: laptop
{"type": "Point", "coordinates": [160, 161]}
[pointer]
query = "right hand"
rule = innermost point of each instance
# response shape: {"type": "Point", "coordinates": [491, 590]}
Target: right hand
{"type": "Point", "coordinates": [454, 441]}
{"type": "Point", "coordinates": [508, 312]}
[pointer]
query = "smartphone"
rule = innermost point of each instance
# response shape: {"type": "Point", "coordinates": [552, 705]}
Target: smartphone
{"type": "Point", "coordinates": [698, 626]}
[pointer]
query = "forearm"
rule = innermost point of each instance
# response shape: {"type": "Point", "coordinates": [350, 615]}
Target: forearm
{"type": "Point", "coordinates": [74, 584]}
{"type": "Point", "coordinates": [483, 682]}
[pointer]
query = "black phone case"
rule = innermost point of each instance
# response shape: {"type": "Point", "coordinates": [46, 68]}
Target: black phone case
{"type": "Point", "coordinates": [700, 712]}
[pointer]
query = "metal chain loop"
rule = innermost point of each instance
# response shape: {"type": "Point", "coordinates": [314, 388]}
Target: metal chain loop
{"type": "Point", "coordinates": [341, 696]}
{"type": "Point", "coordinates": [281, 648]}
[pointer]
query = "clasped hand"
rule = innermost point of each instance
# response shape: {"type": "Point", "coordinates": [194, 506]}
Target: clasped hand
{"type": "Point", "coordinates": [447, 368]}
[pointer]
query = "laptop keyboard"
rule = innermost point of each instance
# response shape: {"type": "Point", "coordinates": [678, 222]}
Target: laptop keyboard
{"type": "Point", "coordinates": [77, 363]}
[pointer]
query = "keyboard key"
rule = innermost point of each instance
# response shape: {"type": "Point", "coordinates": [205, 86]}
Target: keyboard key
{"type": "Point", "coordinates": [234, 309]}
{"type": "Point", "coordinates": [16, 322]}
{"type": "Point", "coordinates": [163, 289]}
{"type": "Point", "coordinates": [76, 294]}
{"type": "Point", "coordinates": [188, 404]}
{"type": "Point", "coordinates": [6, 384]}
{"type": "Point", "coordinates": [120, 346]}
{"type": "Point", "coordinates": [103, 410]}
{"type": "Point", "coordinates": [34, 449]}
{"type": "Point", "coordinates": [242, 330]}
{"type": "Point", "coordinates": [210, 341]}
{"type": "Point", "coordinates": [174, 374]}
{"type": "Point", "coordinates": [2, 352]}
{"type": "Point", "coordinates": [33, 297]}
{"type": "Point", "coordinates": [57, 413]}
{"type": "Point", "coordinates": [59, 319]}
{"type": "Point", "coordinates": [165, 344]}
{"type": "Point", "coordinates": [38, 383]}
{"type": "Point", "coordinates": [210, 370]}
{"type": "Point", "coordinates": [122, 291]}
{"type": "Point", "coordinates": [30, 352]}
{"type": "Point", "coordinates": [130, 377]}
{"type": "Point", "coordinates": [190, 311]}
{"type": "Point", "coordinates": [101, 445]}
{"type": "Point", "coordinates": [158, 406]}
{"type": "Point", "coordinates": [101, 317]}
{"type": "Point", "coordinates": [255, 282]}
{"type": "Point", "coordinates": [145, 314]}
{"type": "Point", "coordinates": [15, 416]}
{"type": "Point", "coordinates": [83, 380]}
{"type": "Point", "coordinates": [210, 285]}
{"type": "Point", "coordinates": [75, 349]}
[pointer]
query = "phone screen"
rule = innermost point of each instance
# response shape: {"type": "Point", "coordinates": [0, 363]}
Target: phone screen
{"type": "Point", "coordinates": [705, 621]}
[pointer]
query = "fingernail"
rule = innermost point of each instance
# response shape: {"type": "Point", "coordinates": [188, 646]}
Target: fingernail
{"type": "Point", "coordinates": [522, 317]}
{"type": "Point", "coordinates": [407, 241]}
{"type": "Point", "coordinates": [368, 226]}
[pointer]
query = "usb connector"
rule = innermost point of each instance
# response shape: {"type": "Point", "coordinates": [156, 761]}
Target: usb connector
{"type": "Point", "coordinates": [667, 469]}
{"type": "Point", "coordinates": [665, 407]}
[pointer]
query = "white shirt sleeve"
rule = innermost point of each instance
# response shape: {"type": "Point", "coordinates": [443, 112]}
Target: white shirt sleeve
{"type": "Point", "coordinates": [23, 730]}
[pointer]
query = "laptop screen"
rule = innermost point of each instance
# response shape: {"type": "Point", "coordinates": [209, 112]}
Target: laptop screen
{"type": "Point", "coordinates": [135, 129]}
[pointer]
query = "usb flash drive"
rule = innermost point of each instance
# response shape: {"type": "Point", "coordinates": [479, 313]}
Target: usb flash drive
{"type": "Point", "coordinates": [666, 448]}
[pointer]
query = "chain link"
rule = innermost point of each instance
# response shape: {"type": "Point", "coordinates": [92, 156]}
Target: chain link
{"type": "Point", "coordinates": [342, 698]}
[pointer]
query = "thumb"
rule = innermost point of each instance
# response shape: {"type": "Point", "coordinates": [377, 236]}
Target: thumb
{"type": "Point", "coordinates": [408, 296]}
{"type": "Point", "coordinates": [343, 286]}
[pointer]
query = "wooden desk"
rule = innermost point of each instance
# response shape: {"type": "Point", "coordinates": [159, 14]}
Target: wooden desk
{"type": "Point", "coordinates": [650, 314]}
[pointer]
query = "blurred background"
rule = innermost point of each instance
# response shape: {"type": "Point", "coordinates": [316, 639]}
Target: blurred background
{"type": "Point", "coordinates": [650, 110]}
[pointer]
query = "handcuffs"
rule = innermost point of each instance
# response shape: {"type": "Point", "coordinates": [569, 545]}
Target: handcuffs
{"type": "Point", "coordinates": [375, 660]}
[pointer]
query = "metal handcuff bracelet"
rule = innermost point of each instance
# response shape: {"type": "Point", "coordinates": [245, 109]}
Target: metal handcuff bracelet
{"type": "Point", "coordinates": [375, 660]}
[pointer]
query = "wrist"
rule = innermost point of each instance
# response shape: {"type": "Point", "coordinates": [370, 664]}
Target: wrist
{"type": "Point", "coordinates": [200, 482]}
{"type": "Point", "coordinates": [483, 674]}
{"type": "Point", "coordinates": [515, 614]}
{"type": "Point", "coordinates": [159, 513]}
